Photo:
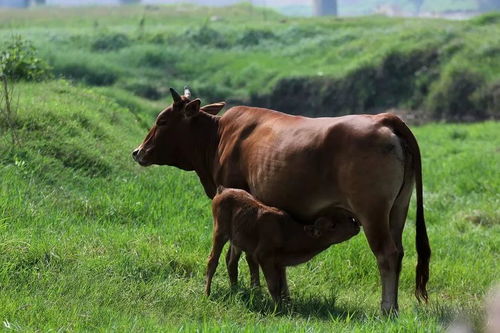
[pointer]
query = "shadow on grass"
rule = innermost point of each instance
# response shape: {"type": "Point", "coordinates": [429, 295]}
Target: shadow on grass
{"type": "Point", "coordinates": [258, 301]}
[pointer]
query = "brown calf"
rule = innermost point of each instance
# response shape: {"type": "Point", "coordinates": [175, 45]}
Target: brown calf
{"type": "Point", "coordinates": [270, 236]}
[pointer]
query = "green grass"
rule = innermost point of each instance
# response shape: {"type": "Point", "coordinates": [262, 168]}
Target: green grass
{"type": "Point", "coordinates": [329, 66]}
{"type": "Point", "coordinates": [91, 241]}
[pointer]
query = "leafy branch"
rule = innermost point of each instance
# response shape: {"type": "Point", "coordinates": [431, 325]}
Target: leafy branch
{"type": "Point", "coordinates": [18, 61]}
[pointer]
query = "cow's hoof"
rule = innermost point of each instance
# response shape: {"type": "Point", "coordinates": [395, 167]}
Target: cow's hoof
{"type": "Point", "coordinates": [389, 310]}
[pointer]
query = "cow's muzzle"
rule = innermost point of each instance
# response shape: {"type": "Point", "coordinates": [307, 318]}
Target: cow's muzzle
{"type": "Point", "coordinates": [138, 156]}
{"type": "Point", "coordinates": [135, 153]}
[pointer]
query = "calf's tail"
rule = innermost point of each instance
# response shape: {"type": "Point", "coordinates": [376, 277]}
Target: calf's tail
{"type": "Point", "coordinates": [220, 189]}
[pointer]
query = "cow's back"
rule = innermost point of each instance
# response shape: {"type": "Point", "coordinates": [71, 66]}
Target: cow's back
{"type": "Point", "coordinates": [306, 166]}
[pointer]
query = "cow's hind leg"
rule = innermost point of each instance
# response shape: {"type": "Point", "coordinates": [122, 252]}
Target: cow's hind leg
{"type": "Point", "coordinates": [398, 214]}
{"type": "Point", "coordinates": [383, 246]}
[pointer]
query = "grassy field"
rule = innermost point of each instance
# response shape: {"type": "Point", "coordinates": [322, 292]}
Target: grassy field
{"type": "Point", "coordinates": [91, 241]}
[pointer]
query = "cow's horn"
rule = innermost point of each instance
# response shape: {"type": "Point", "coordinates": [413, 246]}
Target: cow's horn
{"type": "Point", "coordinates": [187, 93]}
{"type": "Point", "coordinates": [175, 95]}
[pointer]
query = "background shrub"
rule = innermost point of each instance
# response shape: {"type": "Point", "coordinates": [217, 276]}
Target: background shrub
{"type": "Point", "coordinates": [110, 42]}
{"type": "Point", "coordinates": [207, 36]}
{"type": "Point", "coordinates": [456, 96]}
{"type": "Point", "coordinates": [254, 37]}
{"type": "Point", "coordinates": [144, 88]}
{"type": "Point", "coordinates": [92, 70]}
{"type": "Point", "coordinates": [19, 61]}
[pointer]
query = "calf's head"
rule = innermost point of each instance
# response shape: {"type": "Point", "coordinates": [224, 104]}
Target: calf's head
{"type": "Point", "coordinates": [174, 137]}
{"type": "Point", "coordinates": [333, 230]}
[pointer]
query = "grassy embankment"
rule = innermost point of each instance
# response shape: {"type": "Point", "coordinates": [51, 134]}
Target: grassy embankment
{"type": "Point", "coordinates": [446, 69]}
{"type": "Point", "coordinates": [89, 240]}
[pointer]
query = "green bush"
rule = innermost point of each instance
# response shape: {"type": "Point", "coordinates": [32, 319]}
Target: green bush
{"type": "Point", "coordinates": [152, 56]}
{"type": "Point", "coordinates": [488, 99]}
{"type": "Point", "coordinates": [209, 92]}
{"type": "Point", "coordinates": [456, 96]}
{"type": "Point", "coordinates": [92, 73]}
{"type": "Point", "coordinates": [19, 61]}
{"type": "Point", "coordinates": [295, 33]}
{"type": "Point", "coordinates": [489, 18]}
{"type": "Point", "coordinates": [110, 42]}
{"type": "Point", "coordinates": [144, 88]}
{"type": "Point", "coordinates": [207, 36]}
{"type": "Point", "coordinates": [254, 37]}
{"type": "Point", "coordinates": [154, 59]}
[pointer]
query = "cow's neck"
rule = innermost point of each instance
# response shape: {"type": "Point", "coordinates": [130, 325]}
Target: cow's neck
{"type": "Point", "coordinates": [207, 141]}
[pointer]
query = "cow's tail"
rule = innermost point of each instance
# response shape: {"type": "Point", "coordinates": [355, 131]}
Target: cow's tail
{"type": "Point", "coordinates": [422, 241]}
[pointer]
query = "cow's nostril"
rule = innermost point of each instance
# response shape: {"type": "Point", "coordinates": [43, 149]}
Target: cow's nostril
{"type": "Point", "coordinates": [135, 152]}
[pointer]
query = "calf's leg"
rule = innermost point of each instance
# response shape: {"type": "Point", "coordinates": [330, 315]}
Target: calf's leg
{"type": "Point", "coordinates": [232, 258]}
{"type": "Point", "coordinates": [219, 240]}
{"type": "Point", "coordinates": [273, 276]}
{"type": "Point", "coordinates": [285, 293]}
{"type": "Point", "coordinates": [253, 266]}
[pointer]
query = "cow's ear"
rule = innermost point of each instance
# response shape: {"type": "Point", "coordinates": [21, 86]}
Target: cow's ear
{"type": "Point", "coordinates": [192, 108]}
{"type": "Point", "coordinates": [214, 108]}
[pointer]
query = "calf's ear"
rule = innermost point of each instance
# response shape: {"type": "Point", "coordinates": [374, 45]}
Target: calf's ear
{"type": "Point", "coordinates": [192, 108]}
{"type": "Point", "coordinates": [214, 108]}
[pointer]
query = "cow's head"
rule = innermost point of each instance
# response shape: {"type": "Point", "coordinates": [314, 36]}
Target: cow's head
{"type": "Point", "coordinates": [172, 138]}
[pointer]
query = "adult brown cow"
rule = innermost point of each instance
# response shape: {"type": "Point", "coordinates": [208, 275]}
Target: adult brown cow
{"type": "Point", "coordinates": [309, 167]}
